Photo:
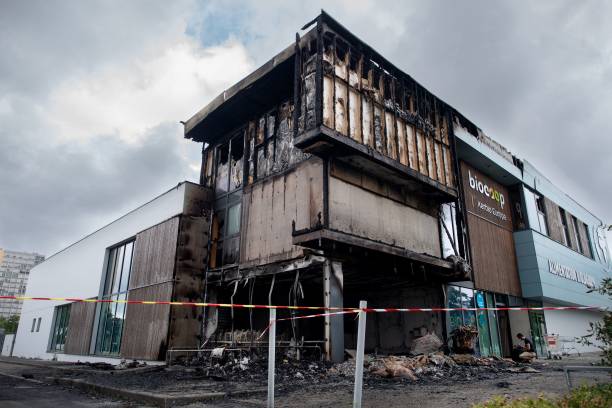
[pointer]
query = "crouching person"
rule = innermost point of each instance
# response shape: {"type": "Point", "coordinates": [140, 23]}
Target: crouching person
{"type": "Point", "coordinates": [525, 352]}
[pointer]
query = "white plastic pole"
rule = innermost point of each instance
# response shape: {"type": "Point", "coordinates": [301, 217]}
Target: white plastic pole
{"type": "Point", "coordinates": [271, 357]}
{"type": "Point", "coordinates": [359, 356]}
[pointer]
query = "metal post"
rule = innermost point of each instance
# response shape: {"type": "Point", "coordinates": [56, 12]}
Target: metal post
{"type": "Point", "coordinates": [271, 357]}
{"type": "Point", "coordinates": [359, 355]}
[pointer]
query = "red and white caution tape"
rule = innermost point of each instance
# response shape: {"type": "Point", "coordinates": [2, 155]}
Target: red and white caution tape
{"type": "Point", "coordinates": [338, 309]}
{"type": "Point", "coordinates": [306, 317]}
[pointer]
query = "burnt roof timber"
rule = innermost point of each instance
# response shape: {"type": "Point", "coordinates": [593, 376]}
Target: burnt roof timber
{"type": "Point", "coordinates": [191, 125]}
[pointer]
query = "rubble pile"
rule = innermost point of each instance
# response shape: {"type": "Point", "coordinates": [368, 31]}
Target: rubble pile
{"type": "Point", "coordinates": [433, 366]}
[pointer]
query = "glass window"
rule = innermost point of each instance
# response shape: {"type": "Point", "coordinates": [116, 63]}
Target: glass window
{"type": "Point", "coordinates": [33, 325]}
{"type": "Point", "coordinates": [541, 214]}
{"type": "Point", "coordinates": [484, 335]}
{"type": "Point", "coordinates": [112, 315]}
{"type": "Point", "coordinates": [493, 327]}
{"type": "Point", "coordinates": [233, 220]}
{"type": "Point", "coordinates": [577, 235]}
{"type": "Point", "coordinates": [38, 324]}
{"type": "Point", "coordinates": [566, 235]}
{"type": "Point", "coordinates": [467, 301]}
{"type": "Point", "coordinates": [60, 328]}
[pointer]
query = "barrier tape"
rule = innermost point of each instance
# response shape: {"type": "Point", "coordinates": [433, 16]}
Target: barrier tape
{"type": "Point", "coordinates": [347, 309]}
{"type": "Point", "coordinates": [305, 317]}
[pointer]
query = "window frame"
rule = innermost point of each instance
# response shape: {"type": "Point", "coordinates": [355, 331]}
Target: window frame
{"type": "Point", "coordinates": [227, 200]}
{"type": "Point", "coordinates": [59, 328]}
{"type": "Point", "coordinates": [114, 288]}
{"type": "Point", "coordinates": [577, 234]}
{"type": "Point", "coordinates": [541, 213]}
{"type": "Point", "coordinates": [564, 224]}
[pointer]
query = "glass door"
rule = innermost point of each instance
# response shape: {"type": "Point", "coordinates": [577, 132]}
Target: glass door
{"type": "Point", "coordinates": [538, 332]}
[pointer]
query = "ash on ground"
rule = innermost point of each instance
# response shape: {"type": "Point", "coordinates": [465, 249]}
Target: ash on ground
{"type": "Point", "coordinates": [435, 367]}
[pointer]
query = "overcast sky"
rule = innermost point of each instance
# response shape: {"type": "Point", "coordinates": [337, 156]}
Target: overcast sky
{"type": "Point", "coordinates": [91, 93]}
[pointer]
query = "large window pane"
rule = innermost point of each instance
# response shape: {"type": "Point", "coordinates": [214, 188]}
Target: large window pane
{"type": "Point", "coordinates": [112, 314]}
{"type": "Point", "coordinates": [127, 264]}
{"type": "Point", "coordinates": [493, 327]}
{"type": "Point", "coordinates": [233, 220]}
{"type": "Point", "coordinates": [484, 337]}
{"type": "Point", "coordinates": [118, 266]}
{"type": "Point", "coordinates": [60, 328]}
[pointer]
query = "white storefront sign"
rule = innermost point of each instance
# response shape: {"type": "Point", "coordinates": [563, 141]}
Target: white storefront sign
{"type": "Point", "coordinates": [570, 273]}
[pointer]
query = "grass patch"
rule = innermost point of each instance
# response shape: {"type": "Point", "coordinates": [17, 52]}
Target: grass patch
{"type": "Point", "coordinates": [597, 396]}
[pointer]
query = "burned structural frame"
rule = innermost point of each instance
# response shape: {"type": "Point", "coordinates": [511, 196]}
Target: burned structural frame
{"type": "Point", "coordinates": [402, 151]}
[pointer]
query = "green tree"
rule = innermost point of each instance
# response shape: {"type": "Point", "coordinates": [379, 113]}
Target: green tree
{"type": "Point", "coordinates": [601, 331]}
{"type": "Point", "coordinates": [9, 324]}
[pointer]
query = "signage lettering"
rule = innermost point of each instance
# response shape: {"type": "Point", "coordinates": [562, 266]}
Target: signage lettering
{"type": "Point", "coordinates": [570, 273]}
{"type": "Point", "coordinates": [483, 188]}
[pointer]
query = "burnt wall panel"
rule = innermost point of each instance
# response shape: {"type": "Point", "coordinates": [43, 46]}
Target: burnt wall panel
{"type": "Point", "coordinates": [154, 254]}
{"type": "Point", "coordinates": [145, 329]}
{"type": "Point", "coordinates": [553, 218]}
{"type": "Point", "coordinates": [80, 328]}
{"type": "Point", "coordinates": [357, 211]}
{"type": "Point", "coordinates": [270, 207]}
{"type": "Point", "coordinates": [186, 322]}
{"type": "Point", "coordinates": [366, 101]}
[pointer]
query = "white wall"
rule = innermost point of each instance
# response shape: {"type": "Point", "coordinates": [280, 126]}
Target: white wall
{"type": "Point", "coordinates": [76, 271]}
{"type": "Point", "coordinates": [8, 343]}
{"type": "Point", "coordinates": [569, 324]}
{"type": "Point", "coordinates": [519, 323]}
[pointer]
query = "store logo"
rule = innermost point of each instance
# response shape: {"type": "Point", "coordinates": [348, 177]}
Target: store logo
{"type": "Point", "coordinates": [569, 273]}
{"type": "Point", "coordinates": [483, 188]}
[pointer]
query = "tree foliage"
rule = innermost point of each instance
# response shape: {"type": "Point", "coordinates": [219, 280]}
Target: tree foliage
{"type": "Point", "coordinates": [9, 324]}
{"type": "Point", "coordinates": [600, 333]}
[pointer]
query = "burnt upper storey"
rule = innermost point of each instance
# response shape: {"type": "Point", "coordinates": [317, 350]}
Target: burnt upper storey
{"type": "Point", "coordinates": [351, 104]}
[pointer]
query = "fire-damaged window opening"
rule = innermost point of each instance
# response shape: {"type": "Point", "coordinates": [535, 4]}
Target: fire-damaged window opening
{"type": "Point", "coordinates": [112, 315]}
{"type": "Point", "coordinates": [448, 223]}
{"type": "Point", "coordinates": [227, 206]}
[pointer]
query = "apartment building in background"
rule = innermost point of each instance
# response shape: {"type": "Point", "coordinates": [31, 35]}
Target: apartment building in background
{"type": "Point", "coordinates": [14, 273]}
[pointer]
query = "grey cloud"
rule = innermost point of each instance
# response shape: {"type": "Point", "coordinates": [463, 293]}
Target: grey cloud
{"type": "Point", "coordinates": [55, 194]}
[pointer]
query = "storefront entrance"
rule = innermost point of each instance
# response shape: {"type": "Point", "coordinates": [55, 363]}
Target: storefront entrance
{"type": "Point", "coordinates": [538, 332]}
{"type": "Point", "coordinates": [489, 341]}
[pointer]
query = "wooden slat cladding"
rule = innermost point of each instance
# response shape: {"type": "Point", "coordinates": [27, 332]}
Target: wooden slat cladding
{"type": "Point", "coordinates": [145, 329]}
{"type": "Point", "coordinates": [553, 219]}
{"type": "Point", "coordinates": [491, 236]}
{"type": "Point", "coordinates": [270, 207]}
{"type": "Point", "coordinates": [78, 338]}
{"type": "Point", "coordinates": [493, 257]}
{"type": "Point", "coordinates": [185, 323]}
{"type": "Point", "coordinates": [365, 102]}
{"type": "Point", "coordinates": [154, 254]}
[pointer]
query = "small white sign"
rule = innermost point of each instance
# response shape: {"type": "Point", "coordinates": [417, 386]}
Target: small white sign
{"type": "Point", "coordinates": [570, 273]}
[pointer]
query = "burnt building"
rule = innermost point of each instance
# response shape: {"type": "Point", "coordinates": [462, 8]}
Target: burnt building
{"type": "Point", "coordinates": [334, 179]}
{"type": "Point", "coordinates": [328, 176]}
